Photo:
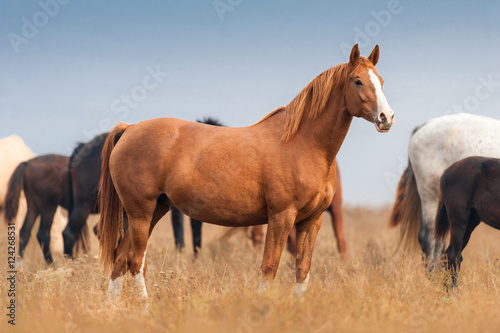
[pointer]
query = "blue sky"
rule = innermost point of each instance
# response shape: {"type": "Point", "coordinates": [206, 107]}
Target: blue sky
{"type": "Point", "coordinates": [67, 80]}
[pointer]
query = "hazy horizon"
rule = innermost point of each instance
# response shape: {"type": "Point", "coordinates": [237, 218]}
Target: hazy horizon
{"type": "Point", "coordinates": [67, 68]}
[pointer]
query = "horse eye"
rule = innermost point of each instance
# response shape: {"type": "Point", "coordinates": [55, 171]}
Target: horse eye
{"type": "Point", "coordinates": [358, 82]}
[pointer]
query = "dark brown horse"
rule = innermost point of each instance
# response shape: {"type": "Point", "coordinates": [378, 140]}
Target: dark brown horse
{"type": "Point", "coordinates": [44, 182]}
{"type": "Point", "coordinates": [84, 170]}
{"type": "Point", "coordinates": [279, 171]}
{"type": "Point", "coordinates": [470, 193]}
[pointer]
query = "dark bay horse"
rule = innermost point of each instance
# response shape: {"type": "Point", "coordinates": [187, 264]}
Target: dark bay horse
{"type": "Point", "coordinates": [470, 193]}
{"type": "Point", "coordinates": [84, 170]}
{"type": "Point", "coordinates": [279, 171]}
{"type": "Point", "coordinates": [44, 182]}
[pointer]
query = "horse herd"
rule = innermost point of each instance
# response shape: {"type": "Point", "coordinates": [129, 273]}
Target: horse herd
{"type": "Point", "coordinates": [282, 171]}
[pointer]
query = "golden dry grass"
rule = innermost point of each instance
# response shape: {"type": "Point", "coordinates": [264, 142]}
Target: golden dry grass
{"type": "Point", "coordinates": [375, 291]}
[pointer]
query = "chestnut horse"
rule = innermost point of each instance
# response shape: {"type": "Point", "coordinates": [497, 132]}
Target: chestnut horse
{"type": "Point", "coordinates": [256, 233]}
{"type": "Point", "coordinates": [177, 217]}
{"type": "Point", "coordinates": [279, 171]}
{"type": "Point", "coordinates": [470, 193]}
{"type": "Point", "coordinates": [337, 215]}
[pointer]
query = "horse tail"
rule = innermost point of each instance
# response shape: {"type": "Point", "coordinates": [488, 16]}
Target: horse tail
{"type": "Point", "coordinates": [16, 184]}
{"type": "Point", "coordinates": [407, 211]}
{"type": "Point", "coordinates": [441, 224]}
{"type": "Point", "coordinates": [82, 241]}
{"type": "Point", "coordinates": [111, 218]}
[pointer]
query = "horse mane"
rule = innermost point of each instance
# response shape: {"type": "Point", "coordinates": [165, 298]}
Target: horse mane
{"type": "Point", "coordinates": [318, 91]}
{"type": "Point", "coordinates": [210, 121]}
{"type": "Point", "coordinates": [415, 130]}
{"type": "Point", "coordinates": [92, 144]}
{"type": "Point", "coordinates": [75, 152]}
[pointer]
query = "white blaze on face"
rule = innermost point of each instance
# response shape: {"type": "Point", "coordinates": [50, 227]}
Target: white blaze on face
{"type": "Point", "coordinates": [382, 104]}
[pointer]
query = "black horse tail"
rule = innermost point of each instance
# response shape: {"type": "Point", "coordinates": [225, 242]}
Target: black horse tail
{"type": "Point", "coordinates": [441, 224]}
{"type": "Point", "coordinates": [16, 184]}
{"type": "Point", "coordinates": [82, 240]}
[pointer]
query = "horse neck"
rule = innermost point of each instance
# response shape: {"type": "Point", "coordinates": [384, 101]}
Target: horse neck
{"type": "Point", "coordinates": [329, 129]}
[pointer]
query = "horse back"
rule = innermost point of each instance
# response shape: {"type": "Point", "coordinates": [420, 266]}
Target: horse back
{"type": "Point", "coordinates": [442, 141]}
{"type": "Point", "coordinates": [46, 179]}
{"type": "Point", "coordinates": [224, 170]}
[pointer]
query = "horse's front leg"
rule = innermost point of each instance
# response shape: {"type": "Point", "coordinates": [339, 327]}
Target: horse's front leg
{"type": "Point", "coordinates": [279, 227]}
{"type": "Point", "coordinates": [307, 231]}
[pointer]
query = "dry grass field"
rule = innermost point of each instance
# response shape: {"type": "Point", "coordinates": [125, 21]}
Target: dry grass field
{"type": "Point", "coordinates": [375, 291]}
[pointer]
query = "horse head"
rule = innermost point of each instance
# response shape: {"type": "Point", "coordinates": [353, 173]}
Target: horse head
{"type": "Point", "coordinates": [363, 91]}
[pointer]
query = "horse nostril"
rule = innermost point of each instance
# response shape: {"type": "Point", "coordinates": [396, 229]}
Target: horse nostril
{"type": "Point", "coordinates": [382, 118]}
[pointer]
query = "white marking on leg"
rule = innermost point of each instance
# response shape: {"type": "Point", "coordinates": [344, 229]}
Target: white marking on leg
{"type": "Point", "coordinates": [300, 288]}
{"type": "Point", "coordinates": [19, 263]}
{"type": "Point", "coordinates": [115, 288]}
{"type": "Point", "coordinates": [262, 285]}
{"type": "Point", "coordinates": [139, 281]}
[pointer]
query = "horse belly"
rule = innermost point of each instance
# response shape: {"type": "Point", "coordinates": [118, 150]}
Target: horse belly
{"type": "Point", "coordinates": [222, 202]}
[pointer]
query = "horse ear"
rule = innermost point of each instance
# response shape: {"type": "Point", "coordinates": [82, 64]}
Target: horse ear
{"type": "Point", "coordinates": [373, 57]}
{"type": "Point", "coordinates": [354, 55]}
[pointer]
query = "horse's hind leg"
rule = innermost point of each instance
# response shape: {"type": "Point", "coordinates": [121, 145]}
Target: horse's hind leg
{"type": "Point", "coordinates": [474, 221]}
{"type": "Point", "coordinates": [456, 247]}
{"type": "Point", "coordinates": [43, 236]}
{"type": "Point", "coordinates": [431, 248]}
{"type": "Point", "coordinates": [25, 234]}
{"type": "Point", "coordinates": [131, 252]}
{"type": "Point", "coordinates": [76, 222]}
{"type": "Point", "coordinates": [178, 226]}
{"type": "Point", "coordinates": [196, 230]}
{"type": "Point", "coordinates": [459, 236]}
{"type": "Point", "coordinates": [257, 236]}
{"type": "Point", "coordinates": [120, 267]}
{"type": "Point", "coordinates": [291, 242]}
{"type": "Point", "coordinates": [307, 231]}
{"type": "Point", "coordinates": [336, 212]}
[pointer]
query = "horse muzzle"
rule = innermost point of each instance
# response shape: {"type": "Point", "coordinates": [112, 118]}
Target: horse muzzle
{"type": "Point", "coordinates": [383, 122]}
